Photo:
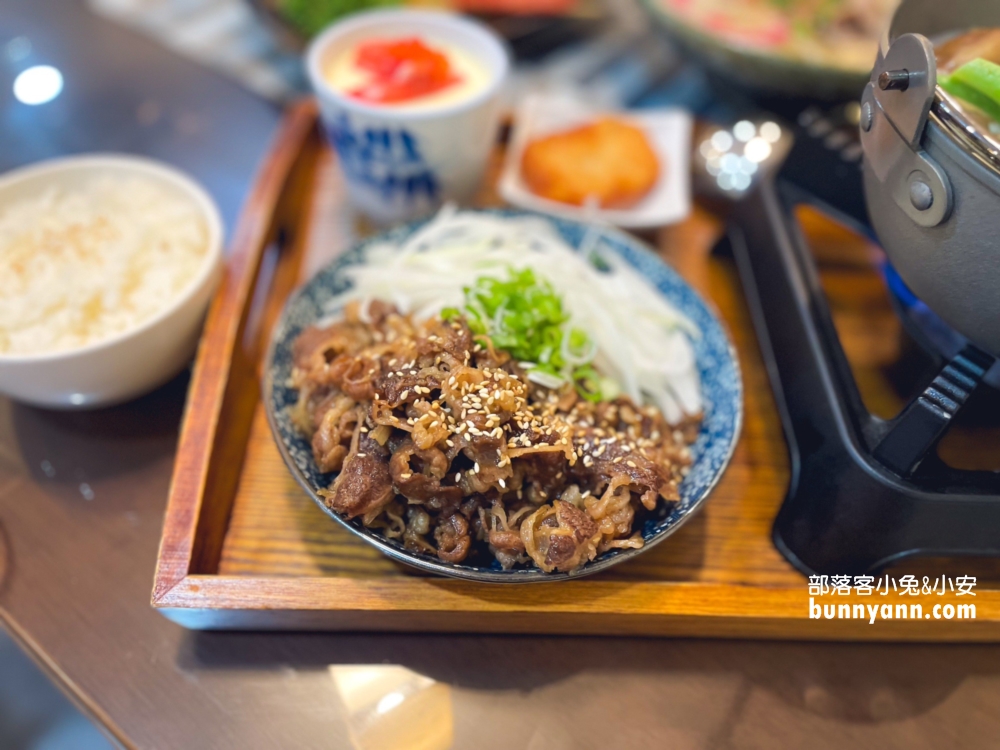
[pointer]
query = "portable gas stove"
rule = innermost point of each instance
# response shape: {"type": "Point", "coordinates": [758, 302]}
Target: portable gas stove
{"type": "Point", "coordinates": [866, 491]}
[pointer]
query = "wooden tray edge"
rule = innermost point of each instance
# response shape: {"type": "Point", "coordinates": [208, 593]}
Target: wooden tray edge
{"type": "Point", "coordinates": [219, 338]}
{"type": "Point", "coordinates": [581, 608]}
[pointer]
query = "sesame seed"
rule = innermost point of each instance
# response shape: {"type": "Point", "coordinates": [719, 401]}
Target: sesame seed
{"type": "Point", "coordinates": [631, 463]}
{"type": "Point", "coordinates": [503, 485]}
{"type": "Point", "coordinates": [617, 460]}
{"type": "Point", "coordinates": [475, 468]}
{"type": "Point", "coordinates": [404, 394]}
{"type": "Point", "coordinates": [458, 476]}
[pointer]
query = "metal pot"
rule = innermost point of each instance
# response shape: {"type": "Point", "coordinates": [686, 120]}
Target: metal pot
{"type": "Point", "coordinates": [932, 176]}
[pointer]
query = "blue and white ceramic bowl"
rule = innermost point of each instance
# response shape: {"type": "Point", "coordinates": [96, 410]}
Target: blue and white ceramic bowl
{"type": "Point", "coordinates": [722, 394]}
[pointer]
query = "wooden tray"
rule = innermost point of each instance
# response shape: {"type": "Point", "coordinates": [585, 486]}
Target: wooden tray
{"type": "Point", "coordinates": [244, 547]}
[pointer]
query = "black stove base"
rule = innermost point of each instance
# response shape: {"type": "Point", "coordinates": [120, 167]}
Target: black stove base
{"type": "Point", "coordinates": [864, 491]}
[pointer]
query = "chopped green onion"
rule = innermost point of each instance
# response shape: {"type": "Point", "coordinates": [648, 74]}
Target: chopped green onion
{"type": "Point", "coordinates": [588, 383]}
{"type": "Point", "coordinates": [524, 316]}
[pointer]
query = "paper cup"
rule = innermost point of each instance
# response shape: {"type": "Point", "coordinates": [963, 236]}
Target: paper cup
{"type": "Point", "coordinates": [403, 162]}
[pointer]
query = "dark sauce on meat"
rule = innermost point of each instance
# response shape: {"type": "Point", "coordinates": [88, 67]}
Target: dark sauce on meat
{"type": "Point", "coordinates": [442, 443]}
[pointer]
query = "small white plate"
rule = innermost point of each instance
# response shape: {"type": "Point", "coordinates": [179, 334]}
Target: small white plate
{"type": "Point", "coordinates": [669, 133]}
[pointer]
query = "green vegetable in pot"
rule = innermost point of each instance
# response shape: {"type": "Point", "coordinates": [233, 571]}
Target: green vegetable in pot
{"type": "Point", "coordinates": [978, 83]}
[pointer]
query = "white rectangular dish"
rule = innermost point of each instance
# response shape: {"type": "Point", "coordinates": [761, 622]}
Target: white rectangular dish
{"type": "Point", "coordinates": [669, 133]}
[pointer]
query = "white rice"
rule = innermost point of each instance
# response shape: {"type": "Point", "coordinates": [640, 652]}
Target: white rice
{"type": "Point", "coordinates": [78, 266]}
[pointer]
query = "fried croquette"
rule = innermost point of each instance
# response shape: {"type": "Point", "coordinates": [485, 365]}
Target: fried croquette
{"type": "Point", "coordinates": [608, 161]}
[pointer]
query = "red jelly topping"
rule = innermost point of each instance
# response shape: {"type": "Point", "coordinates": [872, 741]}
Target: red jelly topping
{"type": "Point", "coordinates": [401, 69]}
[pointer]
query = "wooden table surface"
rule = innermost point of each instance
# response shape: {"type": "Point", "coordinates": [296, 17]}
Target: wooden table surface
{"type": "Point", "coordinates": [81, 503]}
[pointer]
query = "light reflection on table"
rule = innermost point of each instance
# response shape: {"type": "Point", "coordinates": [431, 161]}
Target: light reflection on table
{"type": "Point", "coordinates": [389, 707]}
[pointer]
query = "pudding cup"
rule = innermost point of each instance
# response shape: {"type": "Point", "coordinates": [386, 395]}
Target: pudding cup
{"type": "Point", "coordinates": [402, 161]}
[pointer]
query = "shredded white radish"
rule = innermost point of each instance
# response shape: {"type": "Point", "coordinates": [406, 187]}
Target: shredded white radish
{"type": "Point", "coordinates": [643, 342]}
